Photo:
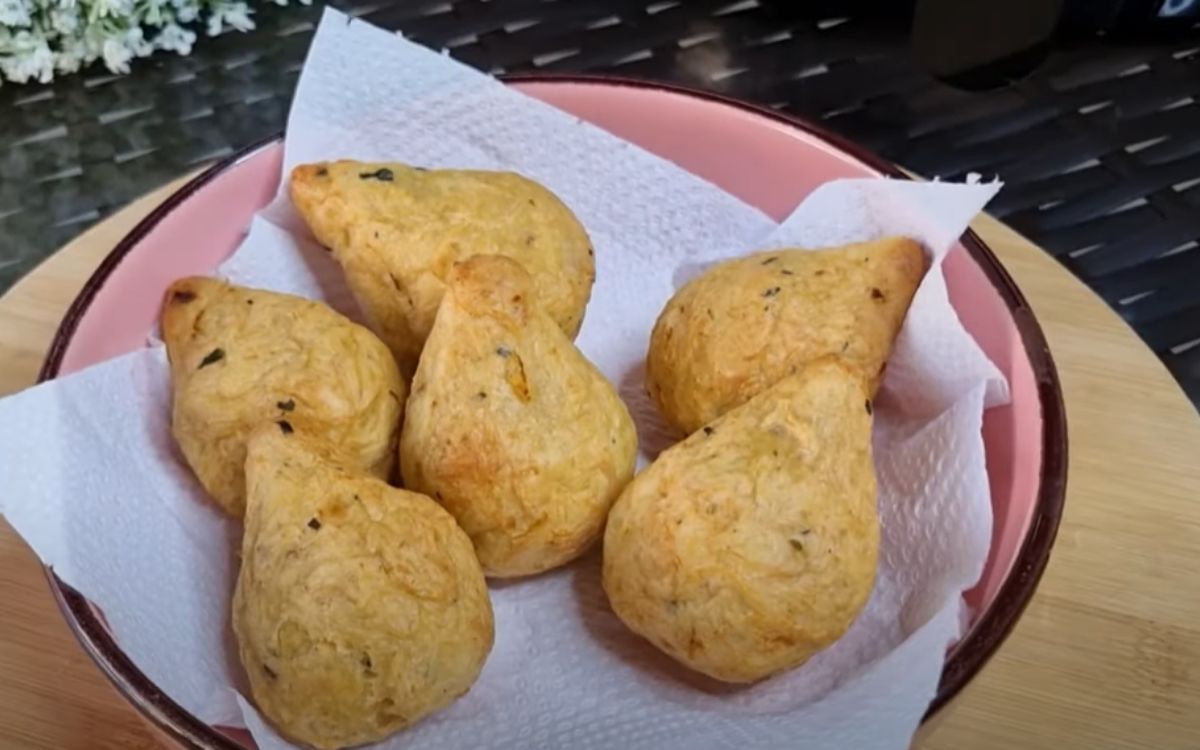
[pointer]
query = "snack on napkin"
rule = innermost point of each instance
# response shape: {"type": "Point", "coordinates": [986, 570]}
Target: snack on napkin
{"type": "Point", "coordinates": [752, 544]}
{"type": "Point", "coordinates": [241, 357]}
{"type": "Point", "coordinates": [367, 91]}
{"type": "Point", "coordinates": [510, 427]}
{"type": "Point", "coordinates": [359, 607]}
{"type": "Point", "coordinates": [396, 230]}
{"type": "Point", "coordinates": [745, 323]}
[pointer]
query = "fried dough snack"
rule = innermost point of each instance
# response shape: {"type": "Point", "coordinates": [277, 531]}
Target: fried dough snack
{"type": "Point", "coordinates": [359, 608]}
{"type": "Point", "coordinates": [241, 357]}
{"type": "Point", "coordinates": [751, 545]}
{"type": "Point", "coordinates": [744, 324]}
{"type": "Point", "coordinates": [510, 427]}
{"type": "Point", "coordinates": [397, 231]}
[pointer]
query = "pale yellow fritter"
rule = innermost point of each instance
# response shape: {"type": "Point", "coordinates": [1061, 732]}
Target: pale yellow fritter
{"type": "Point", "coordinates": [397, 230]}
{"type": "Point", "coordinates": [752, 544]}
{"type": "Point", "coordinates": [510, 427]}
{"type": "Point", "coordinates": [746, 323]}
{"type": "Point", "coordinates": [359, 608]}
{"type": "Point", "coordinates": [241, 357]}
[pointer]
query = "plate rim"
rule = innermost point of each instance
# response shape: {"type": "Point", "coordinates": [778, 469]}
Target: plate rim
{"type": "Point", "coordinates": [965, 659]}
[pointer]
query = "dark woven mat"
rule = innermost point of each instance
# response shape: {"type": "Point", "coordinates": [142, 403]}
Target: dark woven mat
{"type": "Point", "coordinates": [1100, 148]}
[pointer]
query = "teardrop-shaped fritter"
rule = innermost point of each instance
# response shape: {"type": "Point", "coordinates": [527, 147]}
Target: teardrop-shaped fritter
{"type": "Point", "coordinates": [745, 323]}
{"type": "Point", "coordinates": [510, 427]}
{"type": "Point", "coordinates": [359, 608]}
{"type": "Point", "coordinates": [397, 230]}
{"type": "Point", "coordinates": [241, 357]}
{"type": "Point", "coordinates": [752, 544]}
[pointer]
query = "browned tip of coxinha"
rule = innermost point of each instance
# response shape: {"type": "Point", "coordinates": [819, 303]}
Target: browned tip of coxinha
{"type": "Point", "coordinates": [744, 324]}
{"type": "Point", "coordinates": [242, 357]}
{"type": "Point", "coordinates": [397, 230]}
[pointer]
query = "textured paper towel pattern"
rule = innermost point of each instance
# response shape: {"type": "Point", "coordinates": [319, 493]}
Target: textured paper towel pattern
{"type": "Point", "coordinates": [935, 361]}
{"type": "Point", "coordinates": [563, 671]}
{"type": "Point", "coordinates": [92, 481]}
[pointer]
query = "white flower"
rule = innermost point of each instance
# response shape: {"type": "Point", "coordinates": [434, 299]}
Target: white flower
{"type": "Point", "coordinates": [153, 12]}
{"type": "Point", "coordinates": [81, 49]}
{"type": "Point", "coordinates": [15, 13]}
{"type": "Point", "coordinates": [175, 38]}
{"type": "Point", "coordinates": [121, 47]}
{"type": "Point", "coordinates": [117, 55]}
{"type": "Point", "coordinates": [64, 20]}
{"type": "Point", "coordinates": [234, 15]}
{"type": "Point", "coordinates": [136, 42]}
{"type": "Point", "coordinates": [17, 43]}
{"type": "Point", "coordinates": [115, 9]}
{"type": "Point", "coordinates": [41, 37]}
{"type": "Point", "coordinates": [68, 61]}
{"type": "Point", "coordinates": [34, 60]}
{"type": "Point", "coordinates": [186, 11]}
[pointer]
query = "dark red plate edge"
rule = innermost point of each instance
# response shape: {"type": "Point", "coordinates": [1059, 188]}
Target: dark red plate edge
{"type": "Point", "coordinates": [965, 660]}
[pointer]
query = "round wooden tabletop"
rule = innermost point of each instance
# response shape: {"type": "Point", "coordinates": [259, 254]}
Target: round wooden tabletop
{"type": "Point", "coordinates": [1106, 656]}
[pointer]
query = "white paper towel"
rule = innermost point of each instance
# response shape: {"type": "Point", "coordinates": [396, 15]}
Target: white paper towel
{"type": "Point", "coordinates": [91, 479]}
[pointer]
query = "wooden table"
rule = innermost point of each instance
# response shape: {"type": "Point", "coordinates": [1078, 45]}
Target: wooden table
{"type": "Point", "coordinates": [1106, 657]}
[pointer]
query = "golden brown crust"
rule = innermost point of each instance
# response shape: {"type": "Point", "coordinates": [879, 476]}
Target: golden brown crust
{"type": "Point", "coordinates": [359, 608]}
{"type": "Point", "coordinates": [752, 544]}
{"type": "Point", "coordinates": [241, 357]}
{"type": "Point", "coordinates": [510, 427]}
{"type": "Point", "coordinates": [746, 323]}
{"type": "Point", "coordinates": [397, 238]}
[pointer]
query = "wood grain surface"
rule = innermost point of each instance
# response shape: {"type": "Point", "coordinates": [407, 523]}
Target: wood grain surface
{"type": "Point", "coordinates": [1106, 657]}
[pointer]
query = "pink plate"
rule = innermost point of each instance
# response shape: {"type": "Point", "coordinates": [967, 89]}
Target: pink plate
{"type": "Point", "coordinates": [765, 158]}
